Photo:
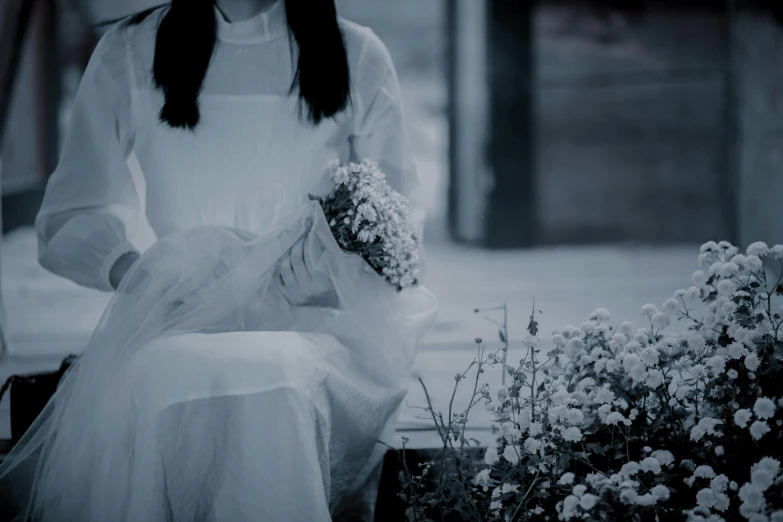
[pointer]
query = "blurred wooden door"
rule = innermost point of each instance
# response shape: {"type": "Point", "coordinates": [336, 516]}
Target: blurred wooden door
{"type": "Point", "coordinates": [578, 128]}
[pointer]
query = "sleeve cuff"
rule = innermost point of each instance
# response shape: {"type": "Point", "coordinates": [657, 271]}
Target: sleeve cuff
{"type": "Point", "coordinates": [119, 251]}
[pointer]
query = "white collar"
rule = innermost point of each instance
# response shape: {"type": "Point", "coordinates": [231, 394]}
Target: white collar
{"type": "Point", "coordinates": [263, 27]}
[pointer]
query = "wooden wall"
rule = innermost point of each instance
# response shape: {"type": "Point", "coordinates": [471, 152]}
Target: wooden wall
{"type": "Point", "coordinates": [759, 64]}
{"type": "Point", "coordinates": [631, 131]}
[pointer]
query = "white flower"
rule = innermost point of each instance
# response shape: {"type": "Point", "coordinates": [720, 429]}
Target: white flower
{"type": "Point", "coordinates": [777, 251]}
{"type": "Point", "coordinates": [660, 321]}
{"type": "Point", "coordinates": [721, 504]}
{"type": "Point", "coordinates": [561, 397]}
{"type": "Point", "coordinates": [637, 373]}
{"type": "Point", "coordinates": [645, 500]}
{"type": "Point", "coordinates": [671, 305]}
{"type": "Point", "coordinates": [626, 328]}
{"type": "Point", "coordinates": [511, 454]}
{"type": "Point", "coordinates": [558, 340]}
{"type": "Point", "coordinates": [762, 478]}
{"type": "Point", "coordinates": [601, 314]}
{"type": "Point", "coordinates": [758, 429]}
{"type": "Point", "coordinates": [719, 483]}
{"type": "Point", "coordinates": [696, 342]}
{"type": "Point", "coordinates": [649, 356]}
{"type": "Point", "coordinates": [604, 396]}
{"type": "Point", "coordinates": [579, 490]}
{"type": "Point", "coordinates": [660, 492]}
{"type": "Point", "coordinates": [575, 346]}
{"type": "Point", "coordinates": [719, 450]}
{"type": "Point", "coordinates": [769, 464]}
{"type": "Point", "coordinates": [764, 408]}
{"type": "Point", "coordinates": [491, 456]}
{"type": "Point", "coordinates": [572, 434]}
{"type": "Point", "coordinates": [482, 479]}
{"type": "Point", "coordinates": [752, 362]}
{"type": "Point", "coordinates": [614, 418]}
{"type": "Point", "coordinates": [508, 488]}
{"type": "Point", "coordinates": [732, 374]}
{"type": "Point", "coordinates": [735, 350]}
{"type": "Point", "coordinates": [502, 393]}
{"type": "Point", "coordinates": [728, 269]}
{"type": "Point", "coordinates": [705, 498]}
{"type": "Point", "coordinates": [574, 417]}
{"type": "Point", "coordinates": [629, 468]}
{"type": "Point", "coordinates": [753, 263]}
{"type": "Point", "coordinates": [704, 471]}
{"type": "Point", "coordinates": [629, 496]}
{"type": "Point", "coordinates": [699, 278]}
{"type": "Point", "coordinates": [652, 465]}
{"type": "Point", "coordinates": [716, 364]}
{"type": "Point", "coordinates": [742, 417]}
{"type": "Point", "coordinates": [569, 507]}
{"type": "Point", "coordinates": [706, 426]}
{"type": "Point", "coordinates": [709, 247]}
{"type": "Point", "coordinates": [532, 445]}
{"type": "Point", "coordinates": [654, 379]}
{"type": "Point", "coordinates": [649, 310]}
{"type": "Point", "coordinates": [630, 361]}
{"type": "Point", "coordinates": [587, 502]}
{"type": "Point", "coordinates": [758, 249]}
{"type": "Point", "coordinates": [566, 479]}
{"type": "Point", "coordinates": [692, 293]}
{"type": "Point", "coordinates": [752, 496]}
{"type": "Point", "coordinates": [530, 341]}
{"type": "Point", "coordinates": [726, 287]}
{"type": "Point", "coordinates": [535, 429]}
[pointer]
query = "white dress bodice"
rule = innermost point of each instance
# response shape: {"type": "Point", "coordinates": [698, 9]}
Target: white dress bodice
{"type": "Point", "coordinates": [250, 162]}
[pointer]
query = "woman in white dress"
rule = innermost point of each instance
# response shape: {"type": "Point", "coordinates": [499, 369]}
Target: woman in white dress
{"type": "Point", "coordinates": [246, 367]}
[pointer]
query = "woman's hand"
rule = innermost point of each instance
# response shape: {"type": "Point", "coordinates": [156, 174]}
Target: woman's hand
{"type": "Point", "coordinates": [302, 286]}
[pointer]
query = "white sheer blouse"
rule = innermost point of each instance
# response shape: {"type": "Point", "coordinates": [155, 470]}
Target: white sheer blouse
{"type": "Point", "coordinates": [249, 163]}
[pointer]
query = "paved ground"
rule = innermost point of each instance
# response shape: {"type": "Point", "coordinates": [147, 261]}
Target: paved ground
{"type": "Point", "coordinates": [50, 317]}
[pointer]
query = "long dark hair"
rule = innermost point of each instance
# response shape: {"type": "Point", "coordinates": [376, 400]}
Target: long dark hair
{"type": "Point", "coordinates": [186, 40]}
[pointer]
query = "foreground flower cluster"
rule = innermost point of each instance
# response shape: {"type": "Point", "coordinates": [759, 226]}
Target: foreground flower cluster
{"type": "Point", "coordinates": [632, 423]}
{"type": "Point", "coordinates": [369, 218]}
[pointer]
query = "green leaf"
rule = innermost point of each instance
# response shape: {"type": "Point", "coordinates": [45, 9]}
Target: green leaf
{"type": "Point", "coordinates": [596, 448]}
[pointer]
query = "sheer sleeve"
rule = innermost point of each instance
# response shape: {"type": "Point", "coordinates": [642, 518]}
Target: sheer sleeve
{"type": "Point", "coordinates": [90, 199]}
{"type": "Point", "coordinates": [379, 127]}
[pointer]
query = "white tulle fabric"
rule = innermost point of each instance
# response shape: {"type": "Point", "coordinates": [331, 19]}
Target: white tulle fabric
{"type": "Point", "coordinates": [202, 394]}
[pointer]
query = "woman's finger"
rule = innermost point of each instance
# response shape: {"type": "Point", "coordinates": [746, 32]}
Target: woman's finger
{"type": "Point", "coordinates": [298, 263]}
{"type": "Point", "coordinates": [292, 286]}
{"type": "Point", "coordinates": [287, 272]}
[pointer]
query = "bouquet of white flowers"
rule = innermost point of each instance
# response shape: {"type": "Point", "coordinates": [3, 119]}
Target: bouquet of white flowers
{"type": "Point", "coordinates": [369, 218]}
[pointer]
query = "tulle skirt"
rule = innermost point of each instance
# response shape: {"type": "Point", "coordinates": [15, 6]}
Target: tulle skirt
{"type": "Point", "coordinates": [204, 396]}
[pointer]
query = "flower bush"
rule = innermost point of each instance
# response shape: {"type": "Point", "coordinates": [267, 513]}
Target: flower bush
{"type": "Point", "coordinates": [627, 423]}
